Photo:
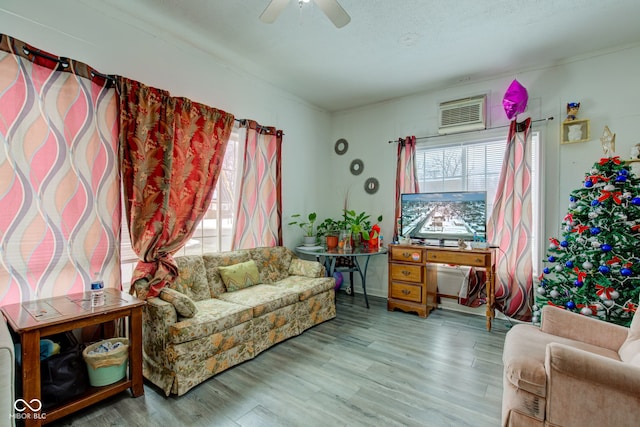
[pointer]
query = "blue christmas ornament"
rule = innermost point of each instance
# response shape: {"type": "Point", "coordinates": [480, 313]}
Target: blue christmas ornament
{"type": "Point", "coordinates": [604, 269]}
{"type": "Point", "coordinates": [623, 172]}
{"type": "Point", "coordinates": [621, 178]}
{"type": "Point", "coordinates": [626, 271]}
{"type": "Point", "coordinates": [564, 243]}
{"type": "Point", "coordinates": [551, 259]}
{"type": "Point", "coordinates": [569, 264]}
{"type": "Point", "coordinates": [595, 230]}
{"type": "Point", "coordinates": [588, 184]}
{"type": "Point", "coordinates": [606, 247]}
{"type": "Point", "coordinates": [570, 305]}
{"type": "Point", "coordinates": [578, 283]}
{"type": "Point", "coordinates": [635, 201]}
{"type": "Point", "coordinates": [573, 199]}
{"type": "Point", "coordinates": [595, 202]}
{"type": "Point", "coordinates": [546, 270]}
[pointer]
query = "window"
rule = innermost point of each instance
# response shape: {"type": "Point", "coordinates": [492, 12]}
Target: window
{"type": "Point", "coordinates": [472, 163]}
{"type": "Point", "coordinates": [214, 233]}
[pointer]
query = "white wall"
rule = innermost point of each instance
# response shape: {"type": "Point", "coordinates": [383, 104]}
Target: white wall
{"type": "Point", "coordinates": [314, 177]}
{"type": "Point", "coordinates": [114, 43]}
{"type": "Point", "coordinates": [604, 83]}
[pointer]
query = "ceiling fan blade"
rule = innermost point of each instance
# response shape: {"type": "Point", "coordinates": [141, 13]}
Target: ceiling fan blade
{"type": "Point", "coordinates": [334, 12]}
{"type": "Point", "coordinates": [273, 10]}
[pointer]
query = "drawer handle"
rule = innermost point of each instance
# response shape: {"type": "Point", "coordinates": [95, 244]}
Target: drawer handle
{"type": "Point", "coordinates": [406, 291]}
{"type": "Point", "coordinates": [406, 273]}
{"type": "Point", "coordinates": [478, 260]}
{"type": "Point", "coordinates": [406, 254]}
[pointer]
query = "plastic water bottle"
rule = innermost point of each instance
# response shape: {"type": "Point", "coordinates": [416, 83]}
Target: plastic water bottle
{"type": "Point", "coordinates": [97, 291]}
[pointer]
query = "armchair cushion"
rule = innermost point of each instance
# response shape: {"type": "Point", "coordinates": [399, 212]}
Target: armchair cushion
{"type": "Point", "coordinates": [590, 330]}
{"type": "Point", "coordinates": [630, 350]}
{"type": "Point", "coordinates": [240, 276]}
{"type": "Point", "coordinates": [182, 303]}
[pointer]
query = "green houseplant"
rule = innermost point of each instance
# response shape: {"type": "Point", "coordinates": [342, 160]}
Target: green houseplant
{"type": "Point", "coordinates": [306, 226]}
{"type": "Point", "coordinates": [358, 223]}
{"type": "Point", "coordinates": [330, 229]}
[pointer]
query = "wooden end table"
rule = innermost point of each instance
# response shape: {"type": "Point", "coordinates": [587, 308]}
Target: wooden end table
{"type": "Point", "coordinates": [36, 319]}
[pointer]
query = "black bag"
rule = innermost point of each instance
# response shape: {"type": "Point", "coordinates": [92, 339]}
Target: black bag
{"type": "Point", "coordinates": [63, 376]}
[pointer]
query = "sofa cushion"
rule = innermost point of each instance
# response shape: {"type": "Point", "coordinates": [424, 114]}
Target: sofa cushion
{"type": "Point", "coordinates": [303, 267]}
{"type": "Point", "coordinates": [182, 303]}
{"type": "Point", "coordinates": [192, 278]}
{"type": "Point", "coordinates": [213, 261]}
{"type": "Point", "coordinates": [262, 298]}
{"type": "Point", "coordinates": [239, 276]}
{"type": "Point", "coordinates": [306, 287]}
{"type": "Point", "coordinates": [273, 262]}
{"type": "Point", "coordinates": [630, 350]}
{"type": "Point", "coordinates": [213, 316]}
{"type": "Point", "coordinates": [524, 353]}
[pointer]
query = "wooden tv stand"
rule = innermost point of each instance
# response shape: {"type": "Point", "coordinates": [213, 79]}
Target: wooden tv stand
{"type": "Point", "coordinates": [413, 279]}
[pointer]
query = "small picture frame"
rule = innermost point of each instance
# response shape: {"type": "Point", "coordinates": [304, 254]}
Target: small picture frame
{"type": "Point", "coordinates": [578, 130]}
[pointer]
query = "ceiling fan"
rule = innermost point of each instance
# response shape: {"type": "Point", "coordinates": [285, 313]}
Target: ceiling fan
{"type": "Point", "coordinates": [331, 8]}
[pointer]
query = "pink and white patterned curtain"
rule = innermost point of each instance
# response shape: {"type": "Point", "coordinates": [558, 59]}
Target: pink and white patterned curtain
{"type": "Point", "coordinates": [406, 178]}
{"type": "Point", "coordinates": [259, 213]}
{"type": "Point", "coordinates": [510, 223]}
{"type": "Point", "coordinates": [59, 186]}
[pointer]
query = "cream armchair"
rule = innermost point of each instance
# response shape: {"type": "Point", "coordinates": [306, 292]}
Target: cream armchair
{"type": "Point", "coordinates": [572, 371]}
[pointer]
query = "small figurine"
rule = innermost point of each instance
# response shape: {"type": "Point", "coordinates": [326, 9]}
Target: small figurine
{"type": "Point", "coordinates": [608, 141]}
{"type": "Point", "coordinates": [572, 111]}
{"type": "Point", "coordinates": [462, 244]}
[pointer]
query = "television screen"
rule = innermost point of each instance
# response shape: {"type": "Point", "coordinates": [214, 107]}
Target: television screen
{"type": "Point", "coordinates": [446, 216]}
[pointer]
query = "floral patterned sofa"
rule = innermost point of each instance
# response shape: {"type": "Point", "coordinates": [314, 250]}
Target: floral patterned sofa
{"type": "Point", "coordinates": [202, 325]}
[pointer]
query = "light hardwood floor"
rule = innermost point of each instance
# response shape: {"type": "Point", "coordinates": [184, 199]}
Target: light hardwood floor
{"type": "Point", "coordinates": [364, 368]}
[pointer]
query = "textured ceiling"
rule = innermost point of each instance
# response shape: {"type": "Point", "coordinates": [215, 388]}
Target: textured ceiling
{"type": "Point", "coordinates": [390, 48]}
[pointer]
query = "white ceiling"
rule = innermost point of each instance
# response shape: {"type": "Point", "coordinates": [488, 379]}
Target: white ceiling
{"type": "Point", "coordinates": [390, 48]}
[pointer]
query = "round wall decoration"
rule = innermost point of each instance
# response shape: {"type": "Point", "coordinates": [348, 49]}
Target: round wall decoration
{"type": "Point", "coordinates": [341, 146]}
{"type": "Point", "coordinates": [356, 167]}
{"type": "Point", "coordinates": [371, 185]}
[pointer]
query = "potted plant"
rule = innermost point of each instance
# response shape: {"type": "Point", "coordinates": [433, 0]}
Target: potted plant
{"type": "Point", "coordinates": [358, 224]}
{"type": "Point", "coordinates": [330, 229]}
{"type": "Point", "coordinates": [307, 226]}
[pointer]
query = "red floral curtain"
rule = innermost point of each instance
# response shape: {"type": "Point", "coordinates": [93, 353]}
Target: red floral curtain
{"type": "Point", "coordinates": [259, 216]}
{"type": "Point", "coordinates": [406, 178]}
{"type": "Point", "coordinates": [171, 153]}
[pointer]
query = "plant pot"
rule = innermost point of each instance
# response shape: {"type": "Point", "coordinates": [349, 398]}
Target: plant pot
{"type": "Point", "coordinates": [332, 242]}
{"type": "Point", "coordinates": [309, 241]}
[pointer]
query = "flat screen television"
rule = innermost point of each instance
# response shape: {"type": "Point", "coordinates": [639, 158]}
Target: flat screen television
{"type": "Point", "coordinates": [444, 217]}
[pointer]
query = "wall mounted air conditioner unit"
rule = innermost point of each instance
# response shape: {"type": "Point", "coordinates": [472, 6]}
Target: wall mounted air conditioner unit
{"type": "Point", "coordinates": [462, 115]}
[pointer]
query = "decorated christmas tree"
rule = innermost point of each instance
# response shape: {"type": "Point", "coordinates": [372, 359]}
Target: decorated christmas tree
{"type": "Point", "coordinates": [594, 269]}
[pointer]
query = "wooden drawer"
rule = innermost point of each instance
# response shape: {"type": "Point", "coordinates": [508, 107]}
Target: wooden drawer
{"type": "Point", "coordinates": [406, 272]}
{"type": "Point", "coordinates": [407, 254]}
{"type": "Point", "coordinates": [474, 259]}
{"type": "Point", "coordinates": [406, 292]}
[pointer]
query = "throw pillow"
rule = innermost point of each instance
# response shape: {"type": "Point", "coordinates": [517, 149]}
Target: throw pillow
{"type": "Point", "coordinates": [240, 276]}
{"type": "Point", "coordinates": [182, 303]}
{"type": "Point", "coordinates": [301, 267]}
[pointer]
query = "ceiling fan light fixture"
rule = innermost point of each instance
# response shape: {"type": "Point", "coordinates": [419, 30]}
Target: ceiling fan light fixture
{"type": "Point", "coordinates": [331, 8]}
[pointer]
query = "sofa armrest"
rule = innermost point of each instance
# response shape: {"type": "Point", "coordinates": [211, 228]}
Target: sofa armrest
{"type": "Point", "coordinates": [589, 330]}
{"type": "Point", "coordinates": [158, 316]}
{"type": "Point", "coordinates": [590, 389]}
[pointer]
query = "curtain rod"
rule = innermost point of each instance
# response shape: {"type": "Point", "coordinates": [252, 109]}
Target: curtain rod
{"type": "Point", "coordinates": [65, 62]}
{"type": "Point", "coordinates": [470, 131]}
